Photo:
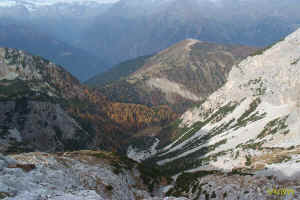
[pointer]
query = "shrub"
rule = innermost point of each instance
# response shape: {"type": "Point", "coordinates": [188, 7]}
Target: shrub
{"type": "Point", "coordinates": [109, 187]}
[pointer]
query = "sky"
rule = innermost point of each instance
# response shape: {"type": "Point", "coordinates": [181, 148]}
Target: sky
{"type": "Point", "coordinates": [9, 3]}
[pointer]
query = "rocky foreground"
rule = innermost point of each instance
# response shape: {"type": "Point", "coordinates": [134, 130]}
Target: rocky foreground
{"type": "Point", "coordinates": [97, 175]}
{"type": "Point", "coordinates": [89, 175]}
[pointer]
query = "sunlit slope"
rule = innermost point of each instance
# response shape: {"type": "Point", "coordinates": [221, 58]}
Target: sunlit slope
{"type": "Point", "coordinates": [251, 122]}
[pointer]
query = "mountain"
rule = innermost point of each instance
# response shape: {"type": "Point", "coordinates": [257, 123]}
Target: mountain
{"type": "Point", "coordinates": [77, 61]}
{"type": "Point", "coordinates": [44, 108]}
{"type": "Point", "coordinates": [131, 28]}
{"type": "Point", "coordinates": [110, 33]}
{"type": "Point", "coordinates": [246, 131]}
{"type": "Point", "coordinates": [179, 76]}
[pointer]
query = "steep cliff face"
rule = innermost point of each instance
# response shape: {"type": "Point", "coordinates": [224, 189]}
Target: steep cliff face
{"type": "Point", "coordinates": [45, 108]}
{"type": "Point", "coordinates": [30, 125]}
{"type": "Point", "coordinates": [180, 76]}
{"type": "Point", "coordinates": [248, 126]}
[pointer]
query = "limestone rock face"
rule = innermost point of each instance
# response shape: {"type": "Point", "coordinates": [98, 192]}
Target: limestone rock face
{"type": "Point", "coordinates": [250, 125]}
{"type": "Point", "coordinates": [92, 175]}
{"type": "Point", "coordinates": [71, 176]}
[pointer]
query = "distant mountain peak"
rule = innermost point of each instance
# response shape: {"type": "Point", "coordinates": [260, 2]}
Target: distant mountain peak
{"type": "Point", "coordinates": [191, 40]}
{"type": "Point", "coordinates": [181, 48]}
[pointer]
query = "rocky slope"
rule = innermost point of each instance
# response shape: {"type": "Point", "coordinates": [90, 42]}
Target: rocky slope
{"type": "Point", "coordinates": [245, 131]}
{"type": "Point", "coordinates": [180, 76]}
{"type": "Point", "coordinates": [91, 175]}
{"type": "Point", "coordinates": [44, 108]}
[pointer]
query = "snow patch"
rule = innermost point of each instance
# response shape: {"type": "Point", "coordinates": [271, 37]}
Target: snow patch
{"type": "Point", "coordinates": [139, 156]}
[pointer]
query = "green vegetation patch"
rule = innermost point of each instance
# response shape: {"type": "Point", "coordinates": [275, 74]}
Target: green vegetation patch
{"type": "Point", "coordinates": [109, 187]}
{"type": "Point", "coordinates": [248, 160]}
{"type": "Point", "coordinates": [13, 89]}
{"type": "Point", "coordinates": [187, 181]}
{"type": "Point", "coordinates": [295, 62]}
{"type": "Point", "coordinates": [240, 172]}
{"type": "Point", "coordinates": [221, 113]}
{"type": "Point", "coordinates": [152, 175]}
{"type": "Point", "coordinates": [259, 88]}
{"type": "Point", "coordinates": [189, 132]}
{"type": "Point", "coordinates": [17, 89]}
{"type": "Point", "coordinates": [3, 195]}
{"type": "Point", "coordinates": [119, 162]}
{"type": "Point", "coordinates": [254, 146]}
{"type": "Point", "coordinates": [192, 161]}
{"type": "Point", "coordinates": [213, 118]}
{"type": "Point", "coordinates": [249, 115]}
{"type": "Point", "coordinates": [275, 126]}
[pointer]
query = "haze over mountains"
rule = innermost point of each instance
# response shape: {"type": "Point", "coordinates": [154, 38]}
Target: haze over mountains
{"type": "Point", "coordinates": [23, 36]}
{"type": "Point", "coordinates": [121, 30]}
{"type": "Point", "coordinates": [51, 29]}
{"type": "Point", "coordinates": [145, 27]}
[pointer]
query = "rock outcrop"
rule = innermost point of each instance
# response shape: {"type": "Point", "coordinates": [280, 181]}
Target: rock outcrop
{"type": "Point", "coordinates": [91, 175]}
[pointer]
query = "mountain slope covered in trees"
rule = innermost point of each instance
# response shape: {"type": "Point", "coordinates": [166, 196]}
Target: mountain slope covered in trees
{"type": "Point", "coordinates": [45, 108]}
{"type": "Point", "coordinates": [180, 76]}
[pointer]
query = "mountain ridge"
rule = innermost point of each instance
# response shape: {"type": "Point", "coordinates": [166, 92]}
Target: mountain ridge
{"type": "Point", "coordinates": [180, 75]}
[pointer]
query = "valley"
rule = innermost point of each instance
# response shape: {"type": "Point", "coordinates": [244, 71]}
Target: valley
{"type": "Point", "coordinates": [149, 100]}
{"type": "Point", "coordinates": [204, 153]}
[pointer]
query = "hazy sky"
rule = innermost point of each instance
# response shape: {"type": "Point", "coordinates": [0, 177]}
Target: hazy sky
{"type": "Point", "coordinates": [49, 2]}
